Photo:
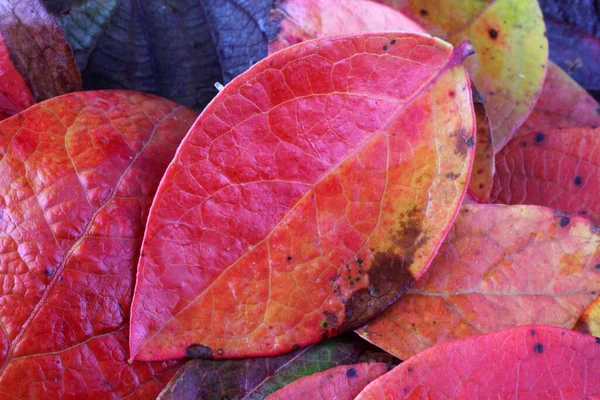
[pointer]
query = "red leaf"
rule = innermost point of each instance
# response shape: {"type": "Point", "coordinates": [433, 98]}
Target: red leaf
{"type": "Point", "coordinates": [299, 204]}
{"type": "Point", "coordinates": [340, 383]}
{"type": "Point", "coordinates": [14, 93]}
{"type": "Point", "coordinates": [302, 20]}
{"type": "Point", "coordinates": [500, 266]}
{"type": "Point", "coordinates": [527, 362]}
{"type": "Point", "coordinates": [77, 175]}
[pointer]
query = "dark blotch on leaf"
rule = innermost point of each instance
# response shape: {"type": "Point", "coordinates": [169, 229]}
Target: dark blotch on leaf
{"type": "Point", "coordinates": [538, 348]}
{"type": "Point", "coordinates": [331, 319]}
{"type": "Point", "coordinates": [452, 93]}
{"type": "Point", "coordinates": [493, 33]}
{"type": "Point", "coordinates": [470, 142]}
{"type": "Point", "coordinates": [539, 137]}
{"type": "Point", "coordinates": [48, 272]}
{"type": "Point", "coordinates": [199, 351]}
{"type": "Point", "coordinates": [564, 221]}
{"type": "Point", "coordinates": [424, 12]}
{"type": "Point", "coordinates": [393, 42]}
{"type": "Point", "coordinates": [351, 373]}
{"type": "Point", "coordinates": [385, 47]}
{"type": "Point", "coordinates": [289, 258]}
{"type": "Point", "coordinates": [577, 180]}
{"type": "Point", "coordinates": [597, 266]}
{"type": "Point", "coordinates": [532, 332]}
{"type": "Point", "coordinates": [598, 340]}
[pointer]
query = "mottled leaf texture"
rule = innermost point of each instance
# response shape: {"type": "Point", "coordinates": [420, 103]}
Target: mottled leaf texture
{"type": "Point", "coordinates": [77, 176]}
{"type": "Point", "coordinates": [527, 362]}
{"type": "Point", "coordinates": [15, 96]}
{"type": "Point", "coordinates": [301, 202]}
{"type": "Point", "coordinates": [175, 48]}
{"type": "Point", "coordinates": [38, 49]}
{"type": "Point", "coordinates": [511, 51]}
{"type": "Point", "coordinates": [589, 321]}
{"type": "Point", "coordinates": [577, 53]}
{"type": "Point", "coordinates": [562, 104]}
{"type": "Point", "coordinates": [556, 168]}
{"type": "Point", "coordinates": [257, 378]}
{"type": "Point", "coordinates": [340, 383]}
{"type": "Point", "coordinates": [301, 20]}
{"type": "Point", "coordinates": [500, 266]}
{"type": "Point", "coordinates": [482, 176]}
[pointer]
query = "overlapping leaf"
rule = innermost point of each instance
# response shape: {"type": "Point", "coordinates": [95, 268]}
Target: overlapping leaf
{"type": "Point", "coordinates": [510, 51]}
{"type": "Point", "coordinates": [556, 168]}
{"type": "Point", "coordinates": [299, 205]}
{"type": "Point", "coordinates": [528, 362]}
{"type": "Point", "coordinates": [257, 378]}
{"type": "Point", "coordinates": [482, 176]}
{"type": "Point", "coordinates": [500, 266]}
{"type": "Point", "coordinates": [77, 176]}
{"type": "Point", "coordinates": [301, 20]}
{"type": "Point", "coordinates": [341, 383]}
{"type": "Point", "coordinates": [177, 49]}
{"type": "Point", "coordinates": [36, 61]}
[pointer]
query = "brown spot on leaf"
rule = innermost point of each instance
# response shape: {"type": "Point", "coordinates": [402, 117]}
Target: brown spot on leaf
{"type": "Point", "coordinates": [424, 12]}
{"type": "Point", "coordinates": [493, 33]}
{"type": "Point", "coordinates": [199, 351]}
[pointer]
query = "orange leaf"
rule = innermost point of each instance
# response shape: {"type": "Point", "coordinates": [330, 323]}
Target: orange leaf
{"type": "Point", "coordinates": [300, 204]}
{"type": "Point", "coordinates": [500, 266]}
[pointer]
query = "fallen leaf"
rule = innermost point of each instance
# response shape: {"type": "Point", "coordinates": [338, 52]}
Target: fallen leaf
{"type": "Point", "coordinates": [38, 49]}
{"type": "Point", "coordinates": [510, 51]}
{"type": "Point", "coordinates": [500, 266]}
{"type": "Point", "coordinates": [482, 176]}
{"type": "Point", "coordinates": [301, 20]}
{"type": "Point", "coordinates": [15, 96]}
{"type": "Point", "coordinates": [174, 49]}
{"type": "Point", "coordinates": [340, 383]}
{"type": "Point", "coordinates": [298, 206]}
{"type": "Point", "coordinates": [555, 168]}
{"type": "Point", "coordinates": [257, 378]}
{"type": "Point", "coordinates": [77, 176]}
{"type": "Point", "coordinates": [577, 53]}
{"type": "Point", "coordinates": [589, 321]}
{"type": "Point", "coordinates": [527, 362]}
{"type": "Point", "coordinates": [562, 104]}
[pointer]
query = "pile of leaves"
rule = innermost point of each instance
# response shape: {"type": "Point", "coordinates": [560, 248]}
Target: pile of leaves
{"type": "Point", "coordinates": [378, 199]}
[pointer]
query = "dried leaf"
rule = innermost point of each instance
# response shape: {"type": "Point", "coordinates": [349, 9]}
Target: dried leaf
{"type": "Point", "coordinates": [510, 51]}
{"type": "Point", "coordinates": [527, 362]}
{"type": "Point", "coordinates": [500, 266]}
{"type": "Point", "coordinates": [77, 176]}
{"type": "Point", "coordinates": [298, 206]}
{"type": "Point", "coordinates": [340, 383]}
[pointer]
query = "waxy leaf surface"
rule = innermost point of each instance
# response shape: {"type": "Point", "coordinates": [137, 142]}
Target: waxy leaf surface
{"type": "Point", "coordinates": [176, 49]}
{"type": "Point", "coordinates": [77, 176]}
{"type": "Point", "coordinates": [38, 50]}
{"type": "Point", "coordinates": [301, 20]}
{"type": "Point", "coordinates": [556, 168]}
{"type": "Point", "coordinates": [562, 104]}
{"type": "Point", "coordinates": [510, 51]}
{"type": "Point", "coordinates": [257, 378]}
{"type": "Point", "coordinates": [577, 53]}
{"type": "Point", "coordinates": [527, 362]}
{"type": "Point", "coordinates": [300, 204]}
{"type": "Point", "coordinates": [500, 266]}
{"type": "Point", "coordinates": [340, 383]}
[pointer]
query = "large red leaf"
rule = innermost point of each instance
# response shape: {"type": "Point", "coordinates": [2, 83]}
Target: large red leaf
{"type": "Point", "coordinates": [556, 168]}
{"type": "Point", "coordinates": [301, 20]}
{"type": "Point", "coordinates": [77, 176]}
{"type": "Point", "coordinates": [340, 383]}
{"type": "Point", "coordinates": [500, 266]}
{"type": "Point", "coordinates": [527, 362]}
{"type": "Point", "coordinates": [302, 201]}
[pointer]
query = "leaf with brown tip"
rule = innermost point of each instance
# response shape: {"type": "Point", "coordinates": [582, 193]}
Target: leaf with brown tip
{"type": "Point", "coordinates": [511, 51]}
{"type": "Point", "coordinates": [527, 362]}
{"type": "Point", "coordinates": [302, 20]}
{"type": "Point", "coordinates": [500, 266]}
{"type": "Point", "coordinates": [298, 206]}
